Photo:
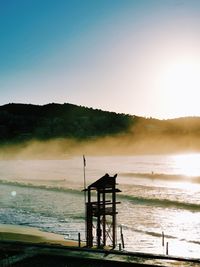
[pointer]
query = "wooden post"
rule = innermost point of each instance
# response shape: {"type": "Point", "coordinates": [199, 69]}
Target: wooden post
{"type": "Point", "coordinates": [79, 240]}
{"type": "Point", "coordinates": [167, 248]}
{"type": "Point", "coordinates": [163, 239]}
{"type": "Point", "coordinates": [122, 236]}
{"type": "Point", "coordinates": [120, 247]}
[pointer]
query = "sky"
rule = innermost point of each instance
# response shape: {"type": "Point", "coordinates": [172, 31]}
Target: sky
{"type": "Point", "coordinates": [139, 57]}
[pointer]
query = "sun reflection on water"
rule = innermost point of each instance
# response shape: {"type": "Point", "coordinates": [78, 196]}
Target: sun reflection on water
{"type": "Point", "coordinates": [185, 224]}
{"type": "Point", "coordinates": [188, 164]}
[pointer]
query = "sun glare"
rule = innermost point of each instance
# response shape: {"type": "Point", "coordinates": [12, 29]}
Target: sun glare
{"type": "Point", "coordinates": [188, 164]}
{"type": "Point", "coordinates": [183, 75]}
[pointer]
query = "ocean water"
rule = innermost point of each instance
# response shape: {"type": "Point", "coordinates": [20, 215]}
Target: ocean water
{"type": "Point", "coordinates": [160, 194]}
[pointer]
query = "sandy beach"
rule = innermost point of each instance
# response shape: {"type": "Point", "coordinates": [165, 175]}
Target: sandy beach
{"type": "Point", "coordinates": [33, 235]}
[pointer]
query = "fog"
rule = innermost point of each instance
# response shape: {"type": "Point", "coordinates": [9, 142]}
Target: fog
{"type": "Point", "coordinates": [131, 143]}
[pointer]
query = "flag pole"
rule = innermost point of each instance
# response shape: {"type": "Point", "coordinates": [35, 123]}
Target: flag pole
{"type": "Point", "coordinates": [84, 165]}
{"type": "Point", "coordinates": [84, 184]}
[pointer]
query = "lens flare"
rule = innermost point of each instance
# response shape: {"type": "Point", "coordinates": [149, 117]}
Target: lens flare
{"type": "Point", "coordinates": [13, 193]}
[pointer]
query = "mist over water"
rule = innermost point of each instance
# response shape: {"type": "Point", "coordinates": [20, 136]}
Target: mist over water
{"type": "Point", "coordinates": [145, 137]}
{"type": "Point", "coordinates": [158, 194]}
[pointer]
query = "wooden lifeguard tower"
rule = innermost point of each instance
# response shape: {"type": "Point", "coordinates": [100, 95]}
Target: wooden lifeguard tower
{"type": "Point", "coordinates": [101, 205]}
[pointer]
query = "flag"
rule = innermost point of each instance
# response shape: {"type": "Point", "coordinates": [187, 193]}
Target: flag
{"type": "Point", "coordinates": [84, 161]}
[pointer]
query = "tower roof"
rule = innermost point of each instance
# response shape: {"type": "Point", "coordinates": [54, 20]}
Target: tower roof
{"type": "Point", "coordinates": [104, 182]}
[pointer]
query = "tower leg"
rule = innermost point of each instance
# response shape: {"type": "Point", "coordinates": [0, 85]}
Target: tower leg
{"type": "Point", "coordinates": [114, 217]}
{"type": "Point", "coordinates": [98, 221]}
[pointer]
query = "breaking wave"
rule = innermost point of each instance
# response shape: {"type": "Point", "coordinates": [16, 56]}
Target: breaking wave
{"type": "Point", "coordinates": [151, 233]}
{"type": "Point", "coordinates": [162, 176]}
{"type": "Point", "coordinates": [137, 200]}
{"type": "Point", "coordinates": [166, 203]}
{"type": "Point", "coordinates": [159, 235]}
{"type": "Point", "coordinates": [40, 186]}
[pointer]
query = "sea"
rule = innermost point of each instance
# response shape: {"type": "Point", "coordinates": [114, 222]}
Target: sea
{"type": "Point", "coordinates": [159, 199]}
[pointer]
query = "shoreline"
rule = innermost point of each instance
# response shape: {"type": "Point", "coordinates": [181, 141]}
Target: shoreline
{"type": "Point", "coordinates": [21, 233]}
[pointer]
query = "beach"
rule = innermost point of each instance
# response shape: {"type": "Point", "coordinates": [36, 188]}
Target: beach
{"type": "Point", "coordinates": [32, 235]}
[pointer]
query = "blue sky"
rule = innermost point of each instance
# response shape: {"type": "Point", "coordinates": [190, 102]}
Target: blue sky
{"type": "Point", "coordinates": [137, 57]}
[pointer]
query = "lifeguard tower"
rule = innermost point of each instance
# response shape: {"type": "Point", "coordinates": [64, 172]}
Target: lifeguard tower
{"type": "Point", "coordinates": [101, 209]}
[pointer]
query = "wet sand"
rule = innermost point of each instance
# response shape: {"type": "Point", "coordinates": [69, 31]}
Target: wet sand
{"type": "Point", "coordinates": [32, 235]}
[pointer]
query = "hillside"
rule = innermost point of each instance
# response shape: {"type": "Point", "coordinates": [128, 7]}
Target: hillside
{"type": "Point", "coordinates": [20, 122]}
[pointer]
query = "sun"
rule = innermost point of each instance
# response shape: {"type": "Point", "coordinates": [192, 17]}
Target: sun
{"type": "Point", "coordinates": [182, 76]}
{"type": "Point", "coordinates": [180, 87]}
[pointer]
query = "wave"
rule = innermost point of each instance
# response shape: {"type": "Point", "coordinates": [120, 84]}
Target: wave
{"type": "Point", "coordinates": [151, 233]}
{"type": "Point", "coordinates": [165, 203]}
{"type": "Point", "coordinates": [162, 176]}
{"type": "Point", "coordinates": [41, 186]}
{"type": "Point", "coordinates": [159, 235]}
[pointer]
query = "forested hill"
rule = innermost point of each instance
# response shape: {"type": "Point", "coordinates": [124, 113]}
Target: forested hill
{"type": "Point", "coordinates": [24, 122]}
{"type": "Point", "coordinates": [19, 122]}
